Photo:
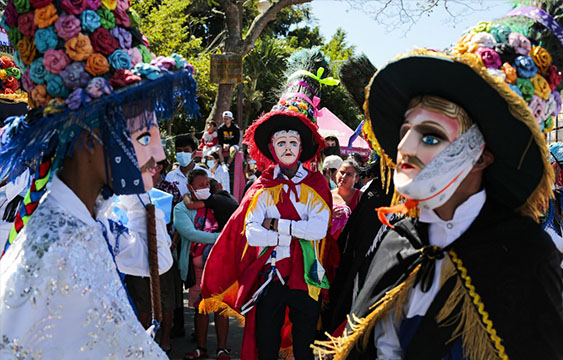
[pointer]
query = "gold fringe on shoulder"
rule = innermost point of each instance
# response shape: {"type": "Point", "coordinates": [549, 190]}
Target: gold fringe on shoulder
{"type": "Point", "coordinates": [339, 347]}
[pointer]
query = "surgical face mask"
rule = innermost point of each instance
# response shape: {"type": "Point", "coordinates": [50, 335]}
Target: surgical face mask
{"type": "Point", "coordinates": [184, 158]}
{"type": "Point", "coordinates": [210, 163]}
{"type": "Point", "coordinates": [202, 194]}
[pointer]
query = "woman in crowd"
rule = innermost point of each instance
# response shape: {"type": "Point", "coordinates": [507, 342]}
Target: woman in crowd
{"type": "Point", "coordinates": [345, 197]}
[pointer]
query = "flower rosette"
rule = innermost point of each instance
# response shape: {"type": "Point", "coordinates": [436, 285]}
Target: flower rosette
{"type": "Point", "coordinates": [10, 14]}
{"type": "Point", "coordinates": [123, 78]}
{"type": "Point", "coordinates": [123, 37]}
{"type": "Point", "coordinates": [107, 20]}
{"type": "Point", "coordinates": [482, 26]}
{"type": "Point", "coordinates": [46, 39]}
{"type": "Point", "coordinates": [181, 63]}
{"type": "Point", "coordinates": [90, 20]}
{"type": "Point", "coordinates": [164, 63]}
{"type": "Point", "coordinates": [510, 73]}
{"type": "Point", "coordinates": [37, 71]}
{"type": "Point", "coordinates": [483, 39]}
{"type": "Point", "coordinates": [79, 47]}
{"type": "Point", "coordinates": [67, 26]}
{"type": "Point", "coordinates": [26, 50]}
{"type": "Point", "coordinates": [76, 98]}
{"type": "Point", "coordinates": [97, 64]}
{"type": "Point", "coordinates": [121, 17]}
{"type": "Point", "coordinates": [13, 71]}
{"type": "Point", "coordinates": [541, 87]}
{"type": "Point", "coordinates": [145, 53]}
{"type": "Point", "coordinates": [557, 99]}
{"type": "Point", "coordinates": [490, 57]}
{"type": "Point", "coordinates": [553, 76]}
{"type": "Point", "coordinates": [506, 52]}
{"type": "Point", "coordinates": [14, 35]}
{"type": "Point", "coordinates": [55, 86]}
{"type": "Point", "coordinates": [551, 108]}
{"type": "Point", "coordinates": [27, 83]}
{"type": "Point", "coordinates": [97, 87]}
{"type": "Point", "coordinates": [135, 56]}
{"type": "Point", "coordinates": [11, 83]}
{"type": "Point", "coordinates": [73, 7]}
{"type": "Point", "coordinates": [22, 6]}
{"type": "Point", "coordinates": [516, 89]}
{"type": "Point", "coordinates": [3, 74]}
{"type": "Point", "coordinates": [37, 4]}
{"type": "Point", "coordinates": [500, 32]}
{"type": "Point", "coordinates": [537, 107]}
{"type": "Point", "coordinates": [147, 71]}
{"type": "Point", "coordinates": [520, 43]}
{"type": "Point", "coordinates": [103, 42]}
{"type": "Point", "coordinates": [39, 96]}
{"type": "Point", "coordinates": [26, 24]}
{"type": "Point", "coordinates": [55, 61]}
{"type": "Point", "coordinates": [541, 58]}
{"type": "Point", "coordinates": [526, 88]}
{"type": "Point", "coordinates": [93, 4]}
{"type": "Point", "coordinates": [74, 76]}
{"type": "Point", "coordinates": [109, 4]}
{"type": "Point", "coordinates": [46, 16]}
{"type": "Point", "coordinates": [6, 62]}
{"type": "Point", "coordinates": [525, 67]}
{"type": "Point", "coordinates": [119, 60]}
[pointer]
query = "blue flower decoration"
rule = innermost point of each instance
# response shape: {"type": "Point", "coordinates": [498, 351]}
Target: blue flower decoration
{"type": "Point", "coordinates": [525, 67]}
{"type": "Point", "coordinates": [19, 63]}
{"type": "Point", "coordinates": [500, 33]}
{"type": "Point", "coordinates": [120, 60]}
{"type": "Point", "coordinates": [180, 61]}
{"type": "Point", "coordinates": [37, 71]}
{"type": "Point", "coordinates": [46, 39]}
{"type": "Point", "coordinates": [146, 70]}
{"type": "Point", "coordinates": [90, 20]}
{"type": "Point", "coordinates": [515, 89]}
{"type": "Point", "coordinates": [55, 86]}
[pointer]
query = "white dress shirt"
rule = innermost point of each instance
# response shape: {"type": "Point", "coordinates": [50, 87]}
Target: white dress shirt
{"type": "Point", "coordinates": [178, 178]}
{"type": "Point", "coordinates": [313, 225]}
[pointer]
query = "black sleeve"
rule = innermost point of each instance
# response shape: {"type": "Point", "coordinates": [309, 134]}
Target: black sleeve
{"type": "Point", "coordinates": [220, 138]}
{"type": "Point", "coordinates": [211, 202]}
{"type": "Point", "coordinates": [236, 135]}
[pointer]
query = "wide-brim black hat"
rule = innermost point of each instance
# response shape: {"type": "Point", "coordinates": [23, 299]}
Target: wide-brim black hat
{"type": "Point", "coordinates": [520, 176]}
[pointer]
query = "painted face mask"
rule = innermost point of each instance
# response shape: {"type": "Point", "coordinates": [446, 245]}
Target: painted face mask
{"type": "Point", "coordinates": [149, 151]}
{"type": "Point", "coordinates": [184, 158]}
{"type": "Point", "coordinates": [286, 147]}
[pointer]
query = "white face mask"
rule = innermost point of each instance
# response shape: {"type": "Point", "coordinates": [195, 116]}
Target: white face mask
{"type": "Point", "coordinates": [184, 158]}
{"type": "Point", "coordinates": [202, 194]}
{"type": "Point", "coordinates": [436, 183]}
{"type": "Point", "coordinates": [210, 163]}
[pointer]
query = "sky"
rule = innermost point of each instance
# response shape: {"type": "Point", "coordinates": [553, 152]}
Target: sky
{"type": "Point", "coordinates": [383, 42]}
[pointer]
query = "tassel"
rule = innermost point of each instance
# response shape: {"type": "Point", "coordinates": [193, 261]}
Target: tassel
{"type": "Point", "coordinates": [403, 208]}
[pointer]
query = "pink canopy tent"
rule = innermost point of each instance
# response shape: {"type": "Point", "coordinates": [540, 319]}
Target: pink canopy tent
{"type": "Point", "coordinates": [330, 125]}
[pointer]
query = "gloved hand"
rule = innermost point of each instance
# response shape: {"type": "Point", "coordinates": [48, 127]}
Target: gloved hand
{"type": "Point", "coordinates": [12, 209]}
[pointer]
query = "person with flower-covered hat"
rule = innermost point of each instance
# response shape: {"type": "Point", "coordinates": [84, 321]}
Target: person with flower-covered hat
{"type": "Point", "coordinates": [462, 269]}
{"type": "Point", "coordinates": [96, 94]}
{"type": "Point", "coordinates": [274, 255]}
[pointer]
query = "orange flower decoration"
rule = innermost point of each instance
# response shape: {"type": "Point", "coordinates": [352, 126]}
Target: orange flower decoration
{"type": "Point", "coordinates": [45, 16]}
{"type": "Point", "coordinates": [40, 96]}
{"type": "Point", "coordinates": [541, 87]}
{"type": "Point", "coordinates": [27, 50]}
{"type": "Point", "coordinates": [541, 57]}
{"type": "Point", "coordinates": [510, 73]}
{"type": "Point", "coordinates": [97, 64]}
{"type": "Point", "coordinates": [79, 47]}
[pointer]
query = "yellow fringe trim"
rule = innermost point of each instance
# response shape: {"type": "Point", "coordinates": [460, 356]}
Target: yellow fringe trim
{"type": "Point", "coordinates": [517, 107]}
{"type": "Point", "coordinates": [338, 348]}
{"type": "Point", "coordinates": [18, 96]}
{"type": "Point", "coordinates": [215, 304]}
{"type": "Point", "coordinates": [479, 338]}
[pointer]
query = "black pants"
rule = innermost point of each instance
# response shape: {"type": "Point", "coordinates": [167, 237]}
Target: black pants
{"type": "Point", "coordinates": [270, 315]}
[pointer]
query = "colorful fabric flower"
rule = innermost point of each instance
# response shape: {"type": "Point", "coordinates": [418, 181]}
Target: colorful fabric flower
{"type": "Point", "coordinates": [3, 74]}
{"type": "Point", "coordinates": [19, 62]}
{"type": "Point", "coordinates": [520, 43]}
{"type": "Point", "coordinates": [506, 52]}
{"type": "Point", "coordinates": [13, 71]}
{"type": "Point", "coordinates": [500, 33]}
{"type": "Point", "coordinates": [490, 57]}
{"type": "Point", "coordinates": [537, 107]}
{"type": "Point", "coordinates": [145, 53]}
{"type": "Point", "coordinates": [525, 67]}
{"type": "Point", "coordinates": [109, 4]}
{"type": "Point", "coordinates": [26, 24]}
{"type": "Point", "coordinates": [40, 3]}
{"type": "Point", "coordinates": [483, 39]}
{"type": "Point", "coordinates": [73, 7]}
{"type": "Point", "coordinates": [55, 61]}
{"type": "Point", "coordinates": [550, 109]}
{"type": "Point", "coordinates": [123, 5]}
{"type": "Point", "coordinates": [103, 42]}
{"type": "Point", "coordinates": [97, 64]}
{"type": "Point", "coordinates": [553, 76]}
{"type": "Point", "coordinates": [526, 88]}
{"type": "Point", "coordinates": [14, 35]}
{"type": "Point", "coordinates": [27, 50]}
{"type": "Point", "coordinates": [46, 39]}
{"type": "Point", "coordinates": [90, 20]}
{"type": "Point", "coordinates": [11, 83]}
{"type": "Point", "coordinates": [97, 87]}
{"type": "Point", "coordinates": [55, 86]}
{"type": "Point", "coordinates": [541, 87]}
{"type": "Point", "coordinates": [121, 17]}
{"type": "Point", "coordinates": [46, 16]}
{"type": "Point", "coordinates": [482, 26]}
{"type": "Point", "coordinates": [37, 71]}
{"type": "Point", "coordinates": [181, 63]}
{"type": "Point", "coordinates": [510, 73]}
{"type": "Point", "coordinates": [134, 18]}
{"type": "Point", "coordinates": [93, 4]}
{"type": "Point", "coordinates": [40, 96]}
{"type": "Point", "coordinates": [10, 14]}
{"type": "Point", "coordinates": [6, 62]}
{"type": "Point", "coordinates": [119, 60]}
{"type": "Point", "coordinates": [123, 37]}
{"type": "Point", "coordinates": [135, 56]}
{"type": "Point", "coordinates": [147, 71]}
{"type": "Point", "coordinates": [76, 98]}
{"type": "Point", "coordinates": [516, 89]}
{"type": "Point", "coordinates": [74, 76]}
{"type": "Point", "coordinates": [79, 47]}
{"type": "Point", "coordinates": [557, 98]}
{"type": "Point", "coordinates": [106, 17]}
{"type": "Point", "coordinates": [496, 73]}
{"type": "Point", "coordinates": [164, 63]}
{"type": "Point", "coordinates": [67, 26]}
{"type": "Point", "coordinates": [22, 6]}
{"type": "Point", "coordinates": [27, 83]}
{"type": "Point", "coordinates": [541, 58]}
{"type": "Point", "coordinates": [123, 78]}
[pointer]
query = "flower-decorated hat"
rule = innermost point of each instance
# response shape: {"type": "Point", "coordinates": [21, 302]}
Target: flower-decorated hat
{"type": "Point", "coordinates": [86, 66]}
{"type": "Point", "coordinates": [471, 76]}
{"type": "Point", "coordinates": [13, 99]}
{"type": "Point", "coordinates": [296, 108]}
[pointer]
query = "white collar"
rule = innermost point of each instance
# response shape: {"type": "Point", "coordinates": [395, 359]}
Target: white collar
{"type": "Point", "coordinates": [464, 214]}
{"type": "Point", "coordinates": [68, 200]}
{"type": "Point", "coordinates": [300, 174]}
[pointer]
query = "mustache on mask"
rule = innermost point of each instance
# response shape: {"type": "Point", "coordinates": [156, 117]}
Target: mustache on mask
{"type": "Point", "coordinates": [414, 161]}
{"type": "Point", "coordinates": [148, 165]}
{"type": "Point", "coordinates": [288, 153]}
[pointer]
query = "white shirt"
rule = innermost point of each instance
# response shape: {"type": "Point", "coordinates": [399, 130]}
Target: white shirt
{"type": "Point", "coordinates": [440, 233]}
{"type": "Point", "coordinates": [222, 176]}
{"type": "Point", "coordinates": [7, 193]}
{"type": "Point", "coordinates": [313, 225]}
{"type": "Point", "coordinates": [178, 178]}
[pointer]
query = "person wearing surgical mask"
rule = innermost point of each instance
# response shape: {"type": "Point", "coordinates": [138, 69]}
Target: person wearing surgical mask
{"type": "Point", "coordinates": [199, 231]}
{"type": "Point", "coordinates": [185, 151]}
{"type": "Point", "coordinates": [219, 170]}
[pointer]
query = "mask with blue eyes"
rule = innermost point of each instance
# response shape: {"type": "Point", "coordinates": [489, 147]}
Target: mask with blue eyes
{"type": "Point", "coordinates": [285, 147]}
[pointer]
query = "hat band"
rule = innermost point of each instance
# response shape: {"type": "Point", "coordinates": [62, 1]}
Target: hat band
{"type": "Point", "coordinates": [314, 103]}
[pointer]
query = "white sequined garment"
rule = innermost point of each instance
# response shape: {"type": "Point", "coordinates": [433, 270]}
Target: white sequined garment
{"type": "Point", "coordinates": [60, 294]}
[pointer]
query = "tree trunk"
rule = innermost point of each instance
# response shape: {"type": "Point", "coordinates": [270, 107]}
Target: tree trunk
{"type": "Point", "coordinates": [223, 100]}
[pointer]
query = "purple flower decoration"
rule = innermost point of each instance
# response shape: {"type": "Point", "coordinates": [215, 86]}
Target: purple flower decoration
{"type": "Point", "coordinates": [557, 98]}
{"type": "Point", "coordinates": [10, 14]}
{"type": "Point", "coordinates": [537, 107]}
{"type": "Point", "coordinates": [135, 56]}
{"type": "Point", "coordinates": [490, 57]}
{"type": "Point", "coordinates": [28, 84]}
{"type": "Point", "coordinates": [67, 26]}
{"type": "Point", "coordinates": [74, 100]}
{"type": "Point", "coordinates": [98, 86]}
{"type": "Point", "coordinates": [164, 63]}
{"type": "Point", "coordinates": [93, 4]}
{"type": "Point", "coordinates": [123, 37]}
{"type": "Point", "coordinates": [520, 43]}
{"type": "Point", "coordinates": [74, 76]}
